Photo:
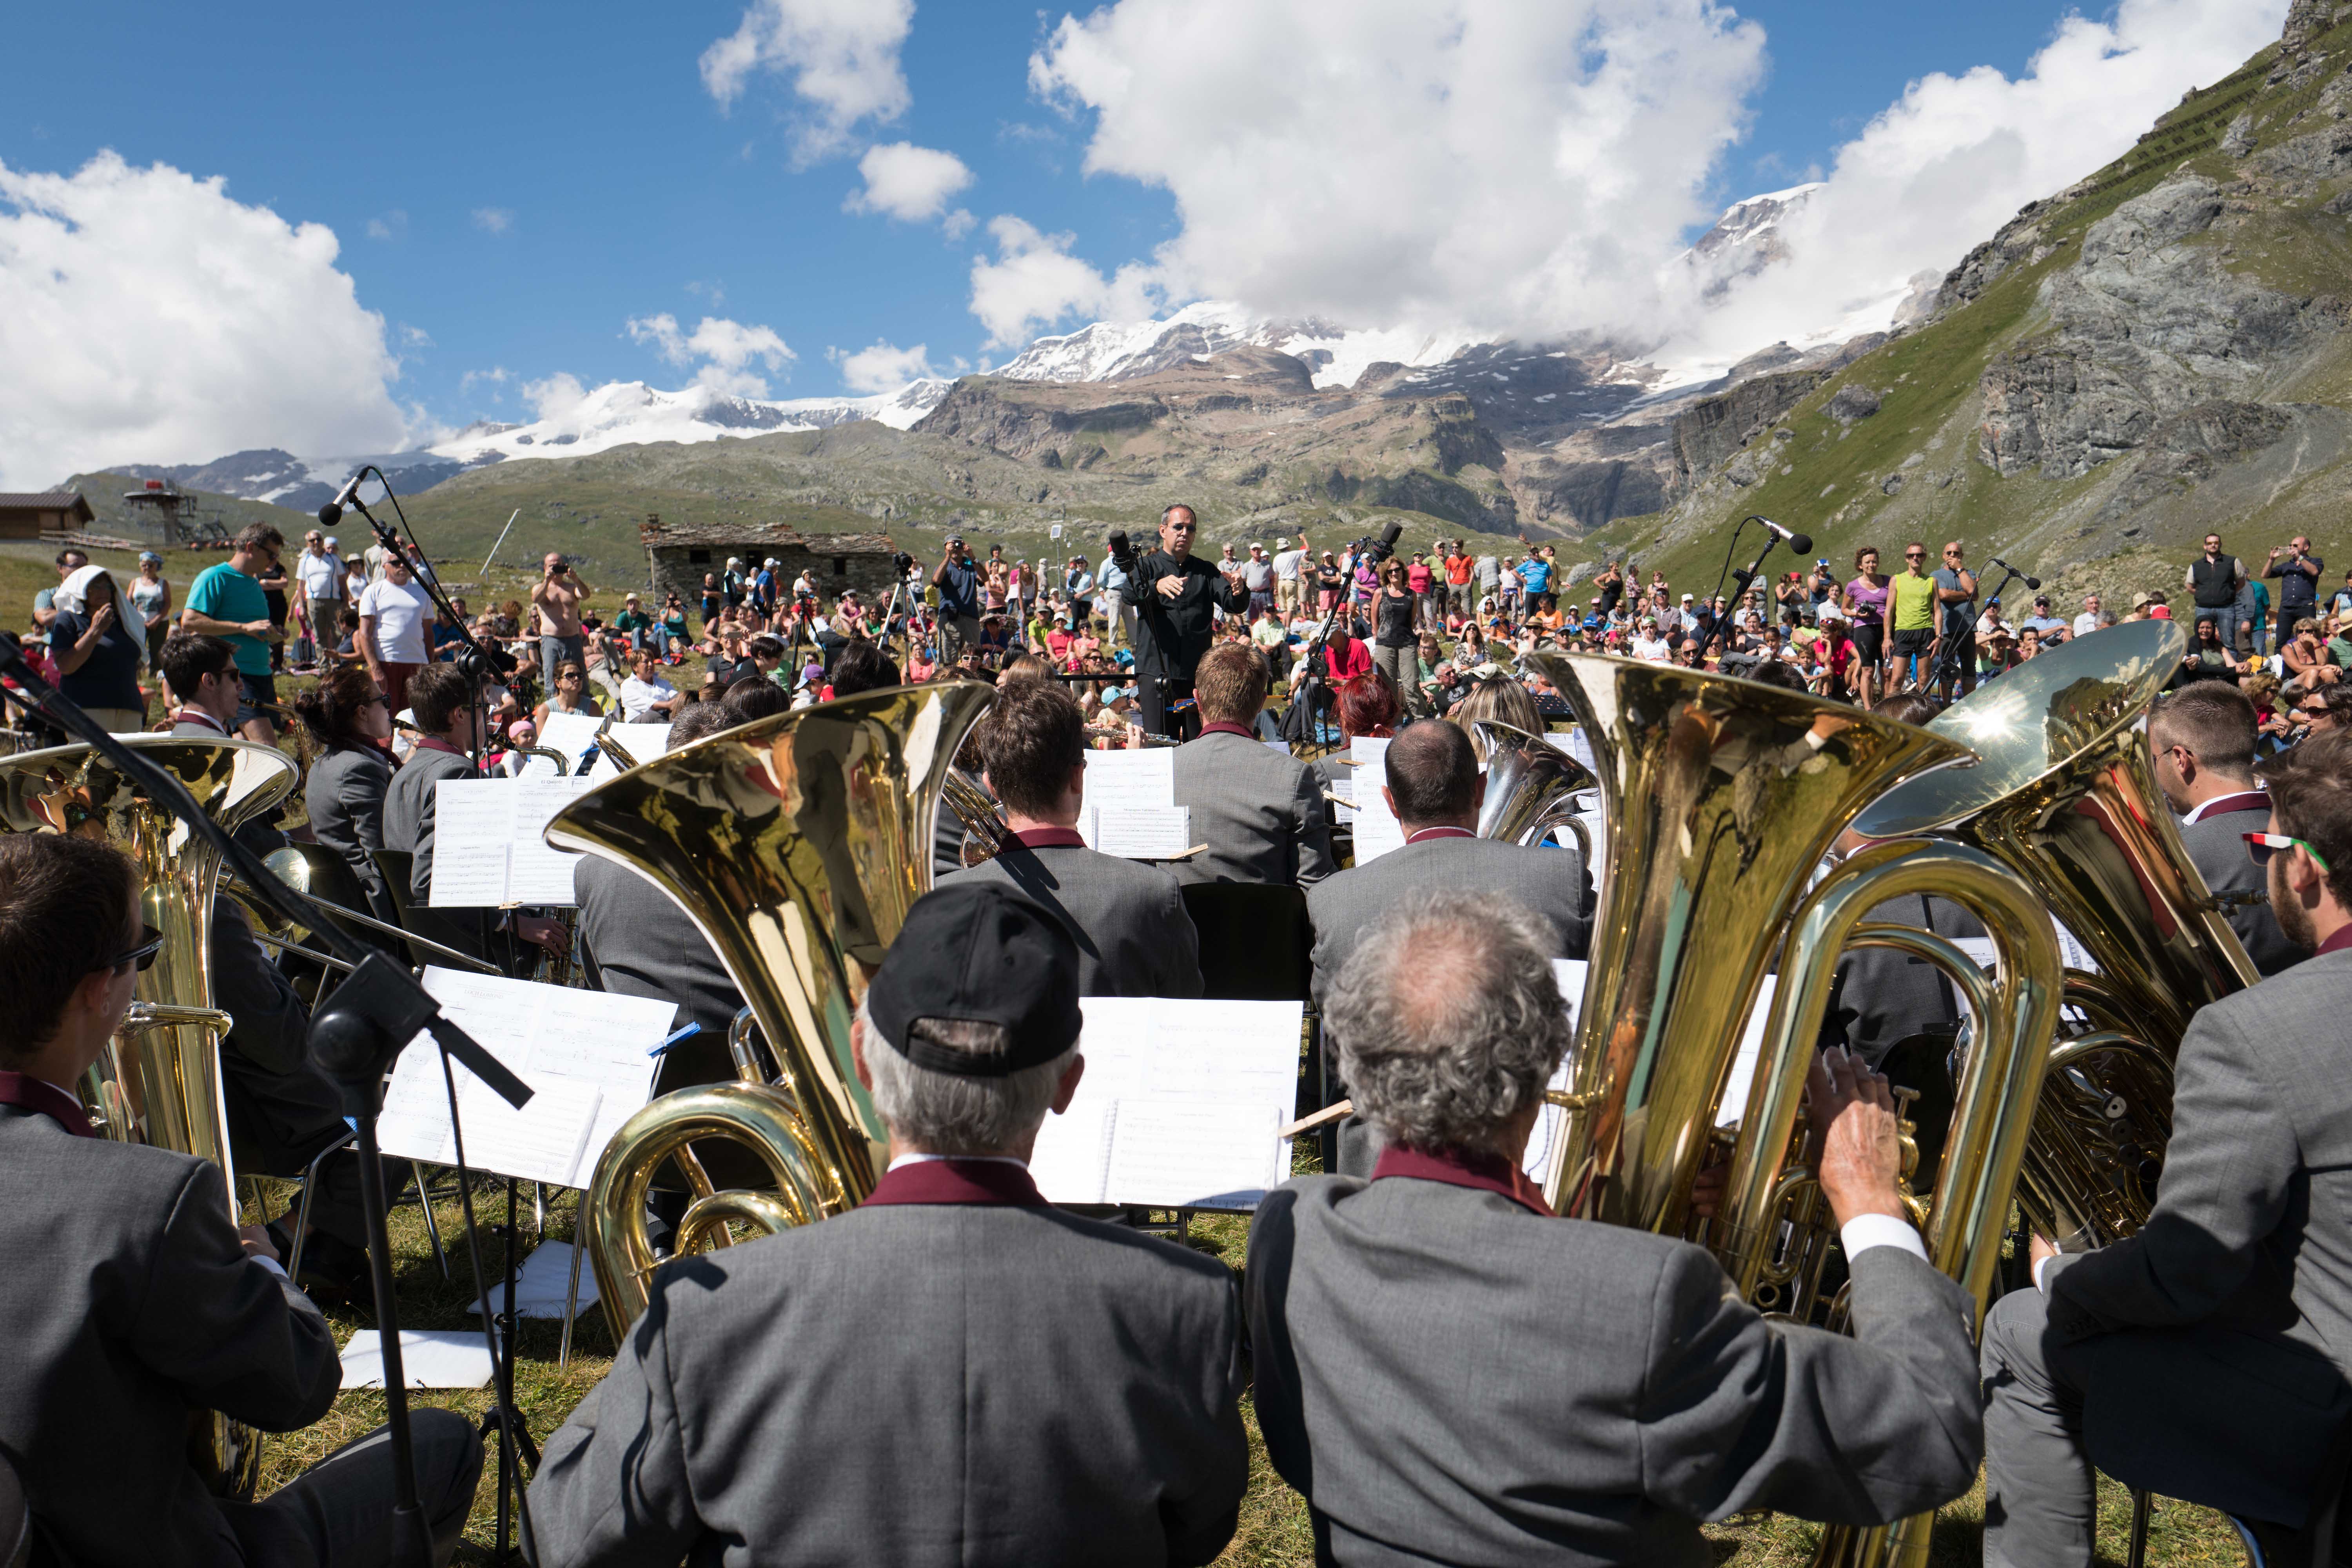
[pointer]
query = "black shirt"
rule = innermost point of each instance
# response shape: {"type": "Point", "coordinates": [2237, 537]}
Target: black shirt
{"type": "Point", "coordinates": [1396, 619]}
{"type": "Point", "coordinates": [2298, 586]}
{"type": "Point", "coordinates": [1171, 635]}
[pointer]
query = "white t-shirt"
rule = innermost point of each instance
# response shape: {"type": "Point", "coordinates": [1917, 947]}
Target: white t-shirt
{"type": "Point", "coordinates": [355, 582]}
{"type": "Point", "coordinates": [403, 615]}
{"type": "Point", "coordinates": [1653, 649]}
{"type": "Point", "coordinates": [638, 697]}
{"type": "Point", "coordinates": [1286, 565]}
{"type": "Point", "coordinates": [321, 575]}
{"type": "Point", "coordinates": [2085, 623]}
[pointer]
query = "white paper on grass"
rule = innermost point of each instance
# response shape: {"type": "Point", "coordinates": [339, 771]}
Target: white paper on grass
{"type": "Point", "coordinates": [1570, 974]}
{"type": "Point", "coordinates": [429, 1358]}
{"type": "Point", "coordinates": [584, 1054]}
{"type": "Point", "coordinates": [1179, 1106]}
{"type": "Point", "coordinates": [1377, 830]}
{"type": "Point", "coordinates": [543, 1283]}
{"type": "Point", "coordinates": [487, 842]}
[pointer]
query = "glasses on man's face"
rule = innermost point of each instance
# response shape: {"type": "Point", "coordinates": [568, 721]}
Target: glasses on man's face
{"type": "Point", "coordinates": [151, 942]}
{"type": "Point", "coordinates": [1915, 555]}
{"type": "Point", "coordinates": [2261, 846]}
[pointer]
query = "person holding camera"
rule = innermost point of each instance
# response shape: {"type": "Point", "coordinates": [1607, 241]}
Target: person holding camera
{"type": "Point", "coordinates": [958, 581]}
{"type": "Point", "coordinates": [555, 610]}
{"type": "Point", "coordinates": [1174, 594]}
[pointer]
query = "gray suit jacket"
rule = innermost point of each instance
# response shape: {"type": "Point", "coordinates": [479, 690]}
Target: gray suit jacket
{"type": "Point", "coordinates": [129, 1302]}
{"type": "Point", "coordinates": [345, 797]}
{"type": "Point", "coordinates": [1549, 881]}
{"type": "Point", "coordinates": [1881, 996]}
{"type": "Point", "coordinates": [1612, 1393]}
{"type": "Point", "coordinates": [928, 1387]}
{"type": "Point", "coordinates": [644, 946]}
{"type": "Point", "coordinates": [1261, 816]}
{"type": "Point", "coordinates": [1134, 937]}
{"type": "Point", "coordinates": [2218, 846]}
{"type": "Point", "coordinates": [408, 825]}
{"type": "Point", "coordinates": [2252, 1224]}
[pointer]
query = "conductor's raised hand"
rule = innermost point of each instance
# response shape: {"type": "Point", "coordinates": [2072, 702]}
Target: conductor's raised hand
{"type": "Point", "coordinates": [1861, 1151]}
{"type": "Point", "coordinates": [1170, 588]}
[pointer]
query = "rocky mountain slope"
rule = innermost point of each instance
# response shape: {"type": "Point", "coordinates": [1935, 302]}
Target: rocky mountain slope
{"type": "Point", "coordinates": [2163, 348]}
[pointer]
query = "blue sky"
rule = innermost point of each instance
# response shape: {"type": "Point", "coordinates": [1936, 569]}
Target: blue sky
{"type": "Point", "coordinates": [510, 184]}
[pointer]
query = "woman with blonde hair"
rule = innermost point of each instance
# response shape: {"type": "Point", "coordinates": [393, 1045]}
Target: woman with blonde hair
{"type": "Point", "coordinates": [1501, 699]}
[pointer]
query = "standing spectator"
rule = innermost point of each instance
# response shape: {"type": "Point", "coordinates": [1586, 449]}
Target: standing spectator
{"type": "Point", "coordinates": [995, 575]}
{"type": "Point", "coordinates": [958, 580]}
{"type": "Point", "coordinates": [1421, 580]}
{"type": "Point", "coordinates": [1535, 576]}
{"type": "Point", "coordinates": [2299, 576]}
{"type": "Point", "coordinates": [273, 586]}
{"type": "Point", "coordinates": [1915, 622]}
{"type": "Point", "coordinates": [1330, 583]}
{"type": "Point", "coordinates": [1257, 577]}
{"type": "Point", "coordinates": [395, 614]}
{"type": "Point", "coordinates": [2213, 581]}
{"type": "Point", "coordinates": [1290, 579]}
{"type": "Point", "coordinates": [1393, 643]}
{"type": "Point", "coordinates": [1866, 609]}
{"type": "Point", "coordinates": [1488, 570]}
{"type": "Point", "coordinates": [150, 597]}
{"type": "Point", "coordinates": [1080, 584]}
{"type": "Point", "coordinates": [318, 579]}
{"type": "Point", "coordinates": [555, 601]}
{"type": "Point", "coordinates": [45, 608]}
{"type": "Point", "coordinates": [2088, 621]}
{"type": "Point", "coordinates": [226, 601]}
{"type": "Point", "coordinates": [99, 645]}
{"type": "Point", "coordinates": [1956, 643]}
{"type": "Point", "coordinates": [1458, 567]}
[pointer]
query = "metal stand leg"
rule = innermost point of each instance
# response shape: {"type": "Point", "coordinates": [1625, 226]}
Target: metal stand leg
{"type": "Point", "coordinates": [539, 1211]}
{"type": "Point", "coordinates": [302, 1207]}
{"type": "Point", "coordinates": [571, 1302]}
{"type": "Point", "coordinates": [432, 1226]}
{"type": "Point", "coordinates": [2143, 1504]}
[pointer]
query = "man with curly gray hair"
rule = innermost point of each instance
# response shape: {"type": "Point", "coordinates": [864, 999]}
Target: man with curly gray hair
{"type": "Point", "coordinates": [1449, 1373]}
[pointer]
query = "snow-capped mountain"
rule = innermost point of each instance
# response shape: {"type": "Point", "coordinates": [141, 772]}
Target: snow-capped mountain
{"type": "Point", "coordinates": [1115, 351]}
{"type": "Point", "coordinates": [630, 412]}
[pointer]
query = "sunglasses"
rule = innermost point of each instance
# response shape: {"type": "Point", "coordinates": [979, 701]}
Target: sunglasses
{"type": "Point", "coordinates": [151, 942]}
{"type": "Point", "coordinates": [2261, 846]}
{"type": "Point", "coordinates": [1915, 555]}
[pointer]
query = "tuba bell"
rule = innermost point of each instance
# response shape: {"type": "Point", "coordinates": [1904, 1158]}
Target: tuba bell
{"type": "Point", "coordinates": [2066, 797]}
{"type": "Point", "coordinates": [1531, 785]}
{"type": "Point", "coordinates": [796, 844]}
{"type": "Point", "coordinates": [159, 1080]}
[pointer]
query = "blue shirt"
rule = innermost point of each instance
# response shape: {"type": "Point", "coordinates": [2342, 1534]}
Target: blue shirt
{"type": "Point", "coordinates": [959, 588]}
{"type": "Point", "coordinates": [1960, 616]}
{"type": "Point", "coordinates": [1535, 575]}
{"type": "Point", "coordinates": [222, 593]}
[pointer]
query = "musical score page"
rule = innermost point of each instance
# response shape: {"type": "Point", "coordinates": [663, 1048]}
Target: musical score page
{"type": "Point", "coordinates": [487, 849]}
{"type": "Point", "coordinates": [1377, 830]}
{"type": "Point", "coordinates": [1179, 1106]}
{"type": "Point", "coordinates": [1141, 833]}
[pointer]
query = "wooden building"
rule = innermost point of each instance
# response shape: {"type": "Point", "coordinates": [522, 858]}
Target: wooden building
{"type": "Point", "coordinates": [47, 514]}
{"type": "Point", "coordinates": [678, 555]}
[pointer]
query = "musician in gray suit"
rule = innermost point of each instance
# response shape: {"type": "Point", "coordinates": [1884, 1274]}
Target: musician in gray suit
{"type": "Point", "coordinates": [1134, 938]}
{"type": "Point", "coordinates": [349, 778]}
{"type": "Point", "coordinates": [443, 699]}
{"type": "Point", "coordinates": [1449, 1374]}
{"type": "Point", "coordinates": [133, 1300]}
{"type": "Point", "coordinates": [2205, 1357]}
{"type": "Point", "coordinates": [1433, 786]}
{"type": "Point", "coordinates": [790, 1392]}
{"type": "Point", "coordinates": [1260, 814]}
{"type": "Point", "coordinates": [2201, 738]}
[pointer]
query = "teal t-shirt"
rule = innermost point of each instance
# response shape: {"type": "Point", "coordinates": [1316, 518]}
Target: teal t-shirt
{"type": "Point", "coordinates": [226, 594]}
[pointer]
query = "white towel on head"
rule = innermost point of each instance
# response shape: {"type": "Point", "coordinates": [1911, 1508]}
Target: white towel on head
{"type": "Point", "coordinates": [73, 596]}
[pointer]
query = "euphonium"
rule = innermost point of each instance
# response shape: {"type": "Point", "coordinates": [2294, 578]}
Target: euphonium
{"type": "Point", "coordinates": [159, 1081]}
{"type": "Point", "coordinates": [796, 845]}
{"type": "Point", "coordinates": [2066, 797]}
{"type": "Point", "coordinates": [1531, 786]}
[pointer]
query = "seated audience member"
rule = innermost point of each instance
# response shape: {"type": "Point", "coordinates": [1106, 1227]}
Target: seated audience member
{"type": "Point", "coordinates": [571, 694]}
{"type": "Point", "coordinates": [863, 666]}
{"type": "Point", "coordinates": [2201, 738]}
{"type": "Point", "coordinates": [2204, 1356]}
{"type": "Point", "coordinates": [148, 1303]}
{"type": "Point", "coordinates": [1260, 813]}
{"type": "Point", "coordinates": [1094, 1416]}
{"type": "Point", "coordinates": [1662, 1398]}
{"type": "Point", "coordinates": [444, 701]}
{"type": "Point", "coordinates": [1128, 918]}
{"type": "Point", "coordinates": [646, 697]}
{"type": "Point", "coordinates": [640, 943]}
{"type": "Point", "coordinates": [749, 699]}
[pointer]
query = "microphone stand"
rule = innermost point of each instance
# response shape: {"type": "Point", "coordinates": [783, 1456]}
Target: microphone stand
{"type": "Point", "coordinates": [1741, 581]}
{"type": "Point", "coordinates": [356, 1034]}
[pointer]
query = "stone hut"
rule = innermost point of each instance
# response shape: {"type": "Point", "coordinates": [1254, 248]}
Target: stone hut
{"type": "Point", "coordinates": [679, 554]}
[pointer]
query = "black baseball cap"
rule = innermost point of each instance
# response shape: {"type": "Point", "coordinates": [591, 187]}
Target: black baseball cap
{"type": "Point", "coordinates": [979, 953]}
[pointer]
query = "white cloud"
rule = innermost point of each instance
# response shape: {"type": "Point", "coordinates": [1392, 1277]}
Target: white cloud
{"type": "Point", "coordinates": [496, 376]}
{"type": "Point", "coordinates": [146, 317]}
{"type": "Point", "coordinates": [494, 220]}
{"type": "Point", "coordinates": [414, 337]}
{"type": "Point", "coordinates": [882, 367]}
{"type": "Point", "coordinates": [728, 350]}
{"type": "Point", "coordinates": [842, 55]}
{"type": "Point", "coordinates": [911, 184]}
{"type": "Point", "coordinates": [391, 226]}
{"type": "Point", "coordinates": [1445, 163]}
{"type": "Point", "coordinates": [1944, 166]}
{"type": "Point", "coordinates": [1035, 282]}
{"type": "Point", "coordinates": [555, 396]}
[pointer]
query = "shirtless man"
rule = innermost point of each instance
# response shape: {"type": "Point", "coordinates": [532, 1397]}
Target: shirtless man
{"type": "Point", "coordinates": [555, 613]}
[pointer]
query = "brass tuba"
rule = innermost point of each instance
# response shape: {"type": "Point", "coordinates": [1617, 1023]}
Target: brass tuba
{"type": "Point", "coordinates": [796, 845]}
{"type": "Point", "coordinates": [1531, 786]}
{"type": "Point", "coordinates": [2066, 797]}
{"type": "Point", "coordinates": [159, 1081]}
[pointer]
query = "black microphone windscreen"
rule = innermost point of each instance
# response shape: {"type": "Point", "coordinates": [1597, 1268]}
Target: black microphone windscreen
{"type": "Point", "coordinates": [329, 515]}
{"type": "Point", "coordinates": [2033, 581]}
{"type": "Point", "coordinates": [1117, 542]}
{"type": "Point", "coordinates": [1800, 543]}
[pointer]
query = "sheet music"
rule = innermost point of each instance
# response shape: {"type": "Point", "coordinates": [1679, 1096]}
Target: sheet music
{"type": "Point", "coordinates": [1117, 780]}
{"type": "Point", "coordinates": [487, 848]}
{"type": "Point", "coordinates": [570, 733]}
{"type": "Point", "coordinates": [1179, 1097]}
{"type": "Point", "coordinates": [1377, 830]}
{"type": "Point", "coordinates": [1346, 790]}
{"type": "Point", "coordinates": [1144, 832]}
{"type": "Point", "coordinates": [1568, 975]}
{"type": "Point", "coordinates": [585, 1055]}
{"type": "Point", "coordinates": [2076, 954]}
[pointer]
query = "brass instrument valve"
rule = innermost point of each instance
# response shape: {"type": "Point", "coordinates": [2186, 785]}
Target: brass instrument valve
{"type": "Point", "coordinates": [1906, 1133]}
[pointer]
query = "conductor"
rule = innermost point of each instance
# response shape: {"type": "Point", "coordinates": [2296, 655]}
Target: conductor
{"type": "Point", "coordinates": [1172, 593]}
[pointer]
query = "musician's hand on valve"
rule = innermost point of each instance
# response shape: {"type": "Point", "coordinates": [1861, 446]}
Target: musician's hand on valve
{"type": "Point", "coordinates": [540, 931]}
{"type": "Point", "coordinates": [2042, 1250]}
{"type": "Point", "coordinates": [1861, 1154]}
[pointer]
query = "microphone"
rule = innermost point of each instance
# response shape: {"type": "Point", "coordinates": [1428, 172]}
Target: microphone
{"type": "Point", "coordinates": [1803, 543]}
{"type": "Point", "coordinates": [1386, 546]}
{"type": "Point", "coordinates": [333, 513]}
{"type": "Point", "coordinates": [1120, 550]}
{"type": "Point", "coordinates": [2030, 582]}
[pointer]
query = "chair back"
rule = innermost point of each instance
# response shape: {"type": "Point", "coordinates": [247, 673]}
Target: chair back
{"type": "Point", "coordinates": [1255, 942]}
{"type": "Point", "coordinates": [396, 866]}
